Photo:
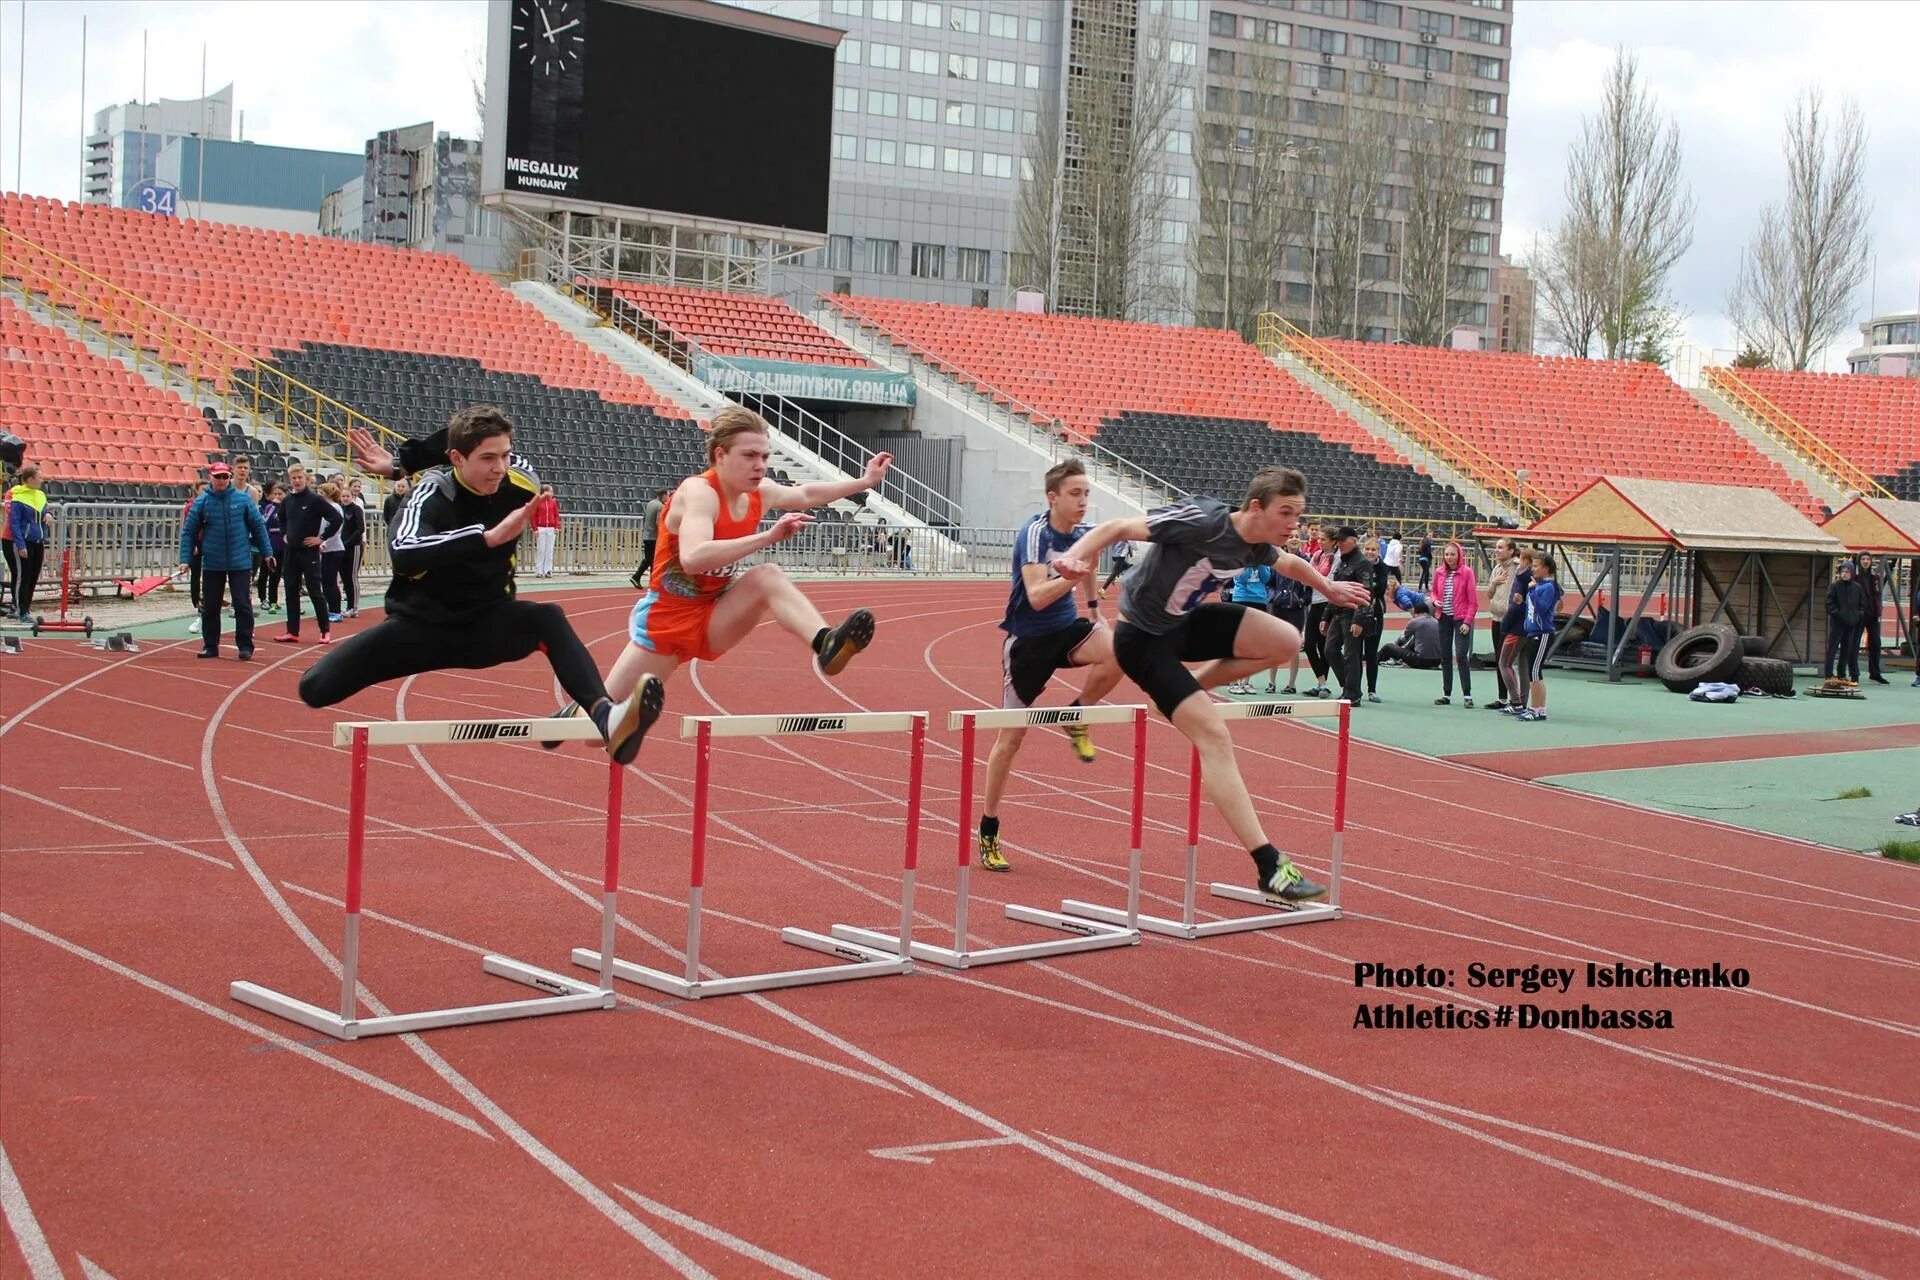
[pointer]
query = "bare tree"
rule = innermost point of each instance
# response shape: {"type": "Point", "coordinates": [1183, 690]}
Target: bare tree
{"type": "Point", "coordinates": [1036, 207]}
{"type": "Point", "coordinates": [1103, 228]}
{"type": "Point", "coordinates": [1245, 189]}
{"type": "Point", "coordinates": [1629, 219]}
{"type": "Point", "coordinates": [1339, 210]}
{"type": "Point", "coordinates": [1808, 258]}
{"type": "Point", "coordinates": [1438, 225]}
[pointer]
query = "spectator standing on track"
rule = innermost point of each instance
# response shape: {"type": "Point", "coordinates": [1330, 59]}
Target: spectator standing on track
{"type": "Point", "coordinates": [1121, 561]}
{"type": "Point", "coordinates": [309, 520]}
{"type": "Point", "coordinates": [546, 530]}
{"type": "Point", "coordinates": [1424, 558]}
{"type": "Point", "coordinates": [267, 585]}
{"type": "Point", "coordinates": [649, 536]}
{"type": "Point", "coordinates": [193, 563]}
{"type": "Point", "coordinates": [1913, 621]}
{"type": "Point", "coordinates": [1347, 628]}
{"type": "Point", "coordinates": [1395, 549]}
{"type": "Point", "coordinates": [27, 521]}
{"type": "Point", "coordinates": [353, 541]}
{"type": "Point", "coordinates": [1543, 601]}
{"type": "Point", "coordinates": [1166, 623]}
{"type": "Point", "coordinates": [333, 551]}
{"type": "Point", "coordinates": [6, 549]}
{"type": "Point", "coordinates": [1045, 634]}
{"type": "Point", "coordinates": [1287, 601]}
{"type": "Point", "coordinates": [1846, 607]}
{"type": "Point", "coordinates": [1493, 592]}
{"type": "Point", "coordinates": [451, 605]}
{"type": "Point", "coordinates": [1323, 557]}
{"type": "Point", "coordinates": [1253, 586]}
{"type": "Point", "coordinates": [1377, 579]}
{"type": "Point", "coordinates": [1509, 607]}
{"type": "Point", "coordinates": [1420, 644]}
{"type": "Point", "coordinates": [1458, 594]}
{"type": "Point", "coordinates": [396, 497]}
{"type": "Point", "coordinates": [1868, 576]}
{"type": "Point", "coordinates": [229, 531]}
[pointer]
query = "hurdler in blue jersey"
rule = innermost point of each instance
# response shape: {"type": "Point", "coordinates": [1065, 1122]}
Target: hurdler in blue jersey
{"type": "Point", "coordinates": [1045, 634]}
{"type": "Point", "coordinates": [451, 605]}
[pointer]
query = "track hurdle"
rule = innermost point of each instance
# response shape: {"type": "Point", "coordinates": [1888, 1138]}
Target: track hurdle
{"type": "Point", "coordinates": [862, 962]}
{"type": "Point", "coordinates": [1187, 926]}
{"type": "Point", "coordinates": [563, 994]}
{"type": "Point", "coordinates": [1091, 935]}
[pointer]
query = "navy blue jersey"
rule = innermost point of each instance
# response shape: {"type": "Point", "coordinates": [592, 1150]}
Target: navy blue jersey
{"type": "Point", "coordinates": [1039, 543]}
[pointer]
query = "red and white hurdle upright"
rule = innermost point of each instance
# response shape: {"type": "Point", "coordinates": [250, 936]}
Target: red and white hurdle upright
{"type": "Point", "coordinates": [1089, 935]}
{"type": "Point", "coordinates": [562, 994]}
{"type": "Point", "coordinates": [861, 961]}
{"type": "Point", "coordinates": [1189, 926]}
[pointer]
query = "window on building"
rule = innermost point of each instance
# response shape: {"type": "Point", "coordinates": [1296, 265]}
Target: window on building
{"type": "Point", "coordinates": [839, 253]}
{"type": "Point", "coordinates": [1179, 142]}
{"type": "Point", "coordinates": [1314, 75]}
{"type": "Point", "coordinates": [999, 72]}
{"type": "Point", "coordinates": [1484, 32]}
{"type": "Point", "coordinates": [1486, 103]}
{"type": "Point", "coordinates": [880, 150]}
{"type": "Point", "coordinates": [960, 113]}
{"type": "Point", "coordinates": [882, 104]}
{"type": "Point", "coordinates": [956, 160]}
{"type": "Point", "coordinates": [849, 51]}
{"type": "Point", "coordinates": [1325, 8]}
{"type": "Point", "coordinates": [1183, 53]}
{"type": "Point", "coordinates": [1221, 23]}
{"type": "Point", "coordinates": [1029, 122]}
{"type": "Point", "coordinates": [1486, 174]}
{"type": "Point", "coordinates": [1320, 40]}
{"type": "Point", "coordinates": [1000, 119]}
{"type": "Point", "coordinates": [1026, 169]}
{"type": "Point", "coordinates": [923, 15]}
{"type": "Point", "coordinates": [1380, 15]}
{"type": "Point", "coordinates": [884, 56]}
{"type": "Point", "coordinates": [1480, 243]}
{"type": "Point", "coordinates": [1484, 139]}
{"type": "Point", "coordinates": [1036, 31]}
{"type": "Point", "coordinates": [967, 20]}
{"type": "Point", "coordinates": [1220, 62]}
{"type": "Point", "coordinates": [971, 265]}
{"type": "Point", "coordinates": [1030, 75]}
{"type": "Point", "coordinates": [926, 110]}
{"type": "Point", "coordinates": [1485, 68]}
{"type": "Point", "coordinates": [846, 98]}
{"type": "Point", "coordinates": [883, 257]}
{"type": "Point", "coordinates": [919, 155]}
{"type": "Point", "coordinates": [995, 165]}
{"type": "Point", "coordinates": [1428, 23]}
{"type": "Point", "coordinates": [847, 8]}
{"type": "Point", "coordinates": [1173, 231]}
{"type": "Point", "coordinates": [1183, 97]}
{"type": "Point", "coordinates": [930, 261]}
{"type": "Point", "coordinates": [1376, 50]}
{"type": "Point", "coordinates": [1480, 208]}
{"type": "Point", "coordinates": [1430, 57]}
{"type": "Point", "coordinates": [889, 10]}
{"type": "Point", "coordinates": [844, 146]}
{"type": "Point", "coordinates": [1004, 25]}
{"type": "Point", "coordinates": [1176, 186]}
{"type": "Point", "coordinates": [923, 62]}
{"type": "Point", "coordinates": [962, 67]}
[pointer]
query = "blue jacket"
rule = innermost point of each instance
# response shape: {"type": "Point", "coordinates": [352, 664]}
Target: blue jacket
{"type": "Point", "coordinates": [229, 529]}
{"type": "Point", "coordinates": [26, 522]}
{"type": "Point", "coordinates": [1543, 598]}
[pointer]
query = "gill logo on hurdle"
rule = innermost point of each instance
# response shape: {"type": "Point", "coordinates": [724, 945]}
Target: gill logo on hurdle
{"type": "Point", "coordinates": [485, 730]}
{"type": "Point", "coordinates": [1056, 715]}
{"type": "Point", "coordinates": [811, 724]}
{"type": "Point", "coordinates": [1257, 710]}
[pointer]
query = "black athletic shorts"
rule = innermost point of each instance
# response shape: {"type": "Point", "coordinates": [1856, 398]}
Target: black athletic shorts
{"type": "Point", "coordinates": [1157, 663]}
{"type": "Point", "coordinates": [1028, 662]}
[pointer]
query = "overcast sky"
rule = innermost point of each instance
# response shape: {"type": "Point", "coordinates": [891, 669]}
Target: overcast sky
{"type": "Point", "coordinates": [329, 75]}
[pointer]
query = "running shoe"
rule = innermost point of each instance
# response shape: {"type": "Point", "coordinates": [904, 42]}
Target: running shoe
{"type": "Point", "coordinates": [1373, 697]}
{"type": "Point", "coordinates": [566, 711]}
{"type": "Point", "coordinates": [627, 721]}
{"type": "Point", "coordinates": [1082, 739]}
{"type": "Point", "coordinates": [833, 649]}
{"type": "Point", "coordinates": [286, 637]}
{"type": "Point", "coordinates": [1290, 884]}
{"type": "Point", "coordinates": [990, 856]}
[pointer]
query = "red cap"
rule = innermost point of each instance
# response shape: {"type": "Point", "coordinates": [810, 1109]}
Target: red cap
{"type": "Point", "coordinates": [219, 469]}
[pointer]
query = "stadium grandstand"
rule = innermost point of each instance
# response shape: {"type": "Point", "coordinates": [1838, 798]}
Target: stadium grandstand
{"type": "Point", "coordinates": [1872, 421]}
{"type": "Point", "coordinates": [735, 324]}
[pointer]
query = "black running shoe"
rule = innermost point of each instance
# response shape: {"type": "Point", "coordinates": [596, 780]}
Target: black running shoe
{"type": "Point", "coordinates": [835, 648]}
{"type": "Point", "coordinates": [1289, 884]}
{"type": "Point", "coordinates": [628, 721]}
{"type": "Point", "coordinates": [566, 711]}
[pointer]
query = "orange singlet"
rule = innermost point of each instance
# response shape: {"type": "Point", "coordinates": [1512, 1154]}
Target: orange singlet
{"type": "Point", "coordinates": [672, 617]}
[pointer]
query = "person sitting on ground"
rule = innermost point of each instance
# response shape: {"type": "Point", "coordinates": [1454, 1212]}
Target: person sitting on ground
{"type": "Point", "coordinates": [451, 605]}
{"type": "Point", "coordinates": [1419, 645]}
{"type": "Point", "coordinates": [1166, 623]}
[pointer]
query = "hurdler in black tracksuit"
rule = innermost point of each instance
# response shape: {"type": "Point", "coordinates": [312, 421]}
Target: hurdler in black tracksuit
{"type": "Point", "coordinates": [451, 603]}
{"type": "Point", "coordinates": [306, 514]}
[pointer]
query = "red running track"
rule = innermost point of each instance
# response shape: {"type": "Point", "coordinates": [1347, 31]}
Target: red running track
{"type": "Point", "coordinates": [168, 826]}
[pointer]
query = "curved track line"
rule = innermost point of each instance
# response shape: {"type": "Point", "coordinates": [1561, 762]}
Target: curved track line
{"type": "Point", "coordinates": [41, 1264]}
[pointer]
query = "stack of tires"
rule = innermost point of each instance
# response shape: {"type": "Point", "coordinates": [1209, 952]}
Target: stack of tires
{"type": "Point", "coordinates": [1717, 654]}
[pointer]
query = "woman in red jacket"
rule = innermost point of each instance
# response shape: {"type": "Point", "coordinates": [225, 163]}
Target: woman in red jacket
{"type": "Point", "coordinates": [1456, 597]}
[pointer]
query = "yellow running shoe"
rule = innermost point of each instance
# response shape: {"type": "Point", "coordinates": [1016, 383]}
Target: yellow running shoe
{"type": "Point", "coordinates": [1082, 740]}
{"type": "Point", "coordinates": [990, 856]}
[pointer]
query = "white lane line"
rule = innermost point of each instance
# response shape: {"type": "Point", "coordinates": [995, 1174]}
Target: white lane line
{"type": "Point", "coordinates": [706, 1231]}
{"type": "Point", "coordinates": [26, 1228]}
{"type": "Point", "coordinates": [115, 826]}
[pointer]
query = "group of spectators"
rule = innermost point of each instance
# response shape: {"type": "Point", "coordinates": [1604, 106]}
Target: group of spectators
{"type": "Point", "coordinates": [246, 541]}
{"type": "Point", "coordinates": [1856, 608]}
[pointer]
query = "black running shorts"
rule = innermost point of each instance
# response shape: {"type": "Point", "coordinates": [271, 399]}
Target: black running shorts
{"type": "Point", "coordinates": [1157, 663]}
{"type": "Point", "coordinates": [1028, 662]}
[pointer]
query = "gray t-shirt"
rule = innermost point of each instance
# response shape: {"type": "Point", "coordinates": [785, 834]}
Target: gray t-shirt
{"type": "Point", "coordinates": [650, 519]}
{"type": "Point", "coordinates": [1192, 551]}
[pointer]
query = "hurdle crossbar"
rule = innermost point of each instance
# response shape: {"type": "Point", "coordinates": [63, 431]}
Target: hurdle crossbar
{"type": "Point", "coordinates": [858, 961]}
{"type": "Point", "coordinates": [1188, 926]}
{"type": "Point", "coordinates": [562, 994]}
{"type": "Point", "coordinates": [1089, 935]}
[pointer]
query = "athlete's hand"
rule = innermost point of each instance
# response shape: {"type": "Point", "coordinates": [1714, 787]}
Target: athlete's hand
{"type": "Point", "coordinates": [368, 455]}
{"type": "Point", "coordinates": [877, 469]}
{"type": "Point", "coordinates": [1348, 595]}
{"type": "Point", "coordinates": [271, 563]}
{"type": "Point", "coordinates": [310, 542]}
{"type": "Point", "coordinates": [1357, 630]}
{"type": "Point", "coordinates": [790, 524]}
{"type": "Point", "coordinates": [508, 530]}
{"type": "Point", "coordinates": [1072, 568]}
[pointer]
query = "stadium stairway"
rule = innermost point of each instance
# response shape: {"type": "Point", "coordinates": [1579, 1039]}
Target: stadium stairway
{"type": "Point", "coordinates": [1819, 482]}
{"type": "Point", "coordinates": [1861, 430]}
{"type": "Point", "coordinates": [694, 397]}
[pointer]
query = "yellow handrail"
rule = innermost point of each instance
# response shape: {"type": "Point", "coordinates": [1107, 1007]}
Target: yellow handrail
{"type": "Point", "coordinates": [1274, 332]}
{"type": "Point", "coordinates": [1771, 418]}
{"type": "Point", "coordinates": [299, 412]}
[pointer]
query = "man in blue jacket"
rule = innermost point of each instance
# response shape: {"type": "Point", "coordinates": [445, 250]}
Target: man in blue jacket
{"type": "Point", "coordinates": [228, 528]}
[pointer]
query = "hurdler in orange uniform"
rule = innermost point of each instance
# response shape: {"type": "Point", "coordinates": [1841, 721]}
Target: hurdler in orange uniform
{"type": "Point", "coordinates": [699, 603]}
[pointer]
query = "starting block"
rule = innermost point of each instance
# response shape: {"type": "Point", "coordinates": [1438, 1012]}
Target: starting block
{"type": "Point", "coordinates": [1187, 926]}
{"type": "Point", "coordinates": [10, 644]}
{"type": "Point", "coordinates": [118, 642]}
{"type": "Point", "coordinates": [1090, 935]}
{"type": "Point", "coordinates": [862, 961]}
{"type": "Point", "coordinates": [561, 994]}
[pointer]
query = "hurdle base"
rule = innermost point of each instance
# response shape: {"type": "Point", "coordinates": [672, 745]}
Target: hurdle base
{"type": "Point", "coordinates": [564, 996]}
{"type": "Point", "coordinates": [1190, 930]}
{"type": "Point", "coordinates": [862, 962]}
{"type": "Point", "coordinates": [1092, 935]}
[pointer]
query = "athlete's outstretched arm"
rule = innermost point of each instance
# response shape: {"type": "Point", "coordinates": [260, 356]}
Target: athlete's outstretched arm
{"type": "Point", "coordinates": [1085, 553]}
{"type": "Point", "coordinates": [692, 512]}
{"type": "Point", "coordinates": [819, 493]}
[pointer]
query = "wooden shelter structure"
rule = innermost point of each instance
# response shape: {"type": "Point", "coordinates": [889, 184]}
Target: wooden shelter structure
{"type": "Point", "coordinates": [1891, 530]}
{"type": "Point", "coordinates": [1720, 553]}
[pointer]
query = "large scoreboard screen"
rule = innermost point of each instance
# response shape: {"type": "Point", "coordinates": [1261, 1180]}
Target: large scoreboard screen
{"type": "Point", "coordinates": [669, 106]}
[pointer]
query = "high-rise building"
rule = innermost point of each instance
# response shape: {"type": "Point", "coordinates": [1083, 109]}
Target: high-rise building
{"type": "Point", "coordinates": [417, 188]}
{"type": "Point", "coordinates": [1512, 307]}
{"type": "Point", "coordinates": [1889, 344]}
{"type": "Point", "coordinates": [124, 148]}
